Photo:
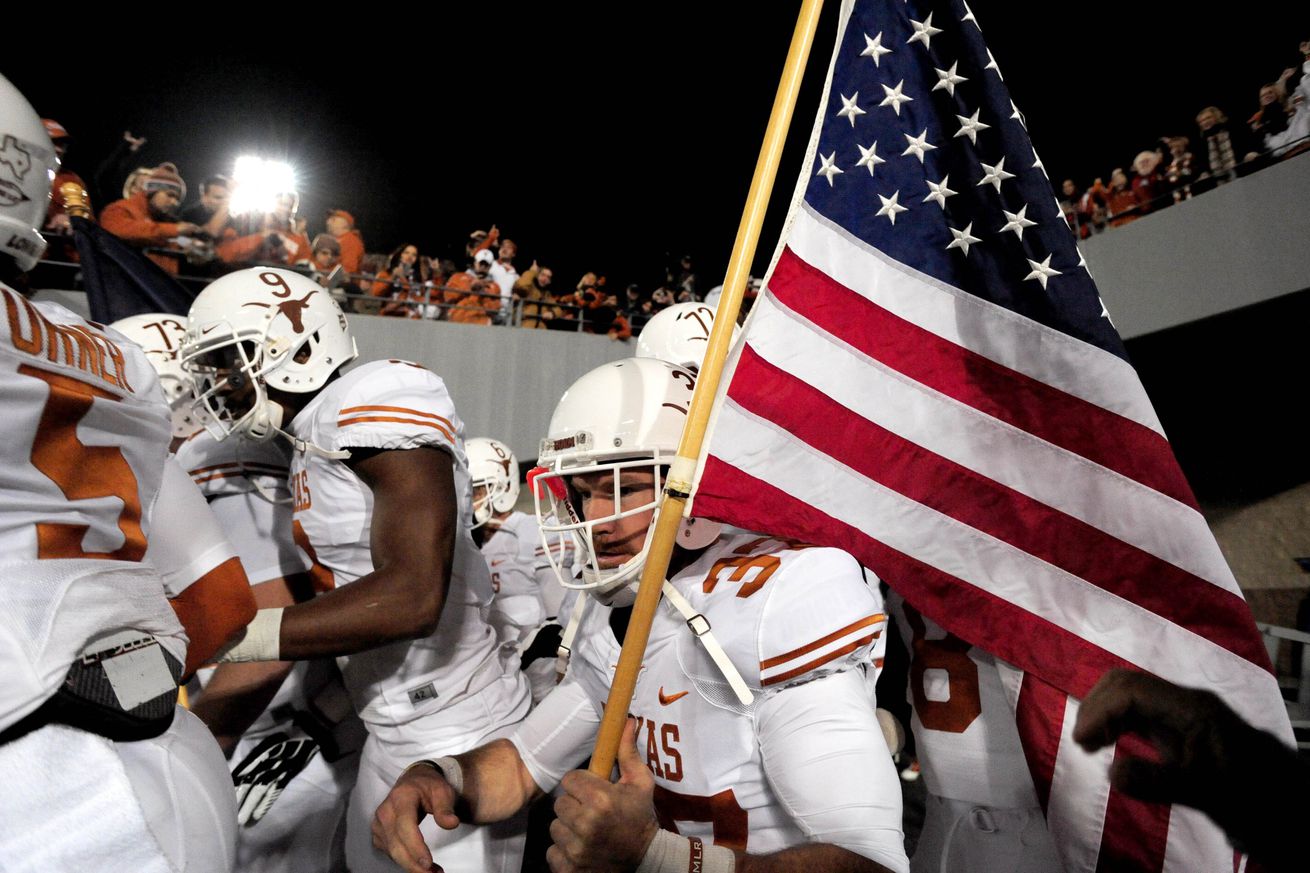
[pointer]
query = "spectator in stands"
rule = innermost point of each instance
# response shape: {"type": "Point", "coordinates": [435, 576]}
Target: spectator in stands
{"type": "Point", "coordinates": [274, 239]}
{"type": "Point", "coordinates": [631, 303]}
{"type": "Point", "coordinates": [284, 221]}
{"type": "Point", "coordinates": [504, 275]}
{"type": "Point", "coordinates": [662, 298]}
{"type": "Point", "coordinates": [327, 255]}
{"type": "Point", "coordinates": [115, 167]}
{"type": "Point", "coordinates": [407, 284]}
{"type": "Point", "coordinates": [603, 316]}
{"type": "Point", "coordinates": [533, 288]}
{"type": "Point", "coordinates": [1093, 203]}
{"type": "Point", "coordinates": [341, 224]}
{"type": "Point", "coordinates": [56, 220]}
{"type": "Point", "coordinates": [1148, 183]}
{"type": "Point", "coordinates": [1180, 170]}
{"type": "Point", "coordinates": [685, 280]}
{"type": "Point", "coordinates": [211, 212]}
{"type": "Point", "coordinates": [1120, 199]}
{"type": "Point", "coordinates": [1070, 208]}
{"type": "Point", "coordinates": [136, 180]}
{"type": "Point", "coordinates": [474, 296]}
{"type": "Point", "coordinates": [1271, 118]}
{"type": "Point", "coordinates": [1225, 145]}
{"type": "Point", "coordinates": [149, 218]}
{"type": "Point", "coordinates": [481, 239]}
{"type": "Point", "coordinates": [1281, 125]}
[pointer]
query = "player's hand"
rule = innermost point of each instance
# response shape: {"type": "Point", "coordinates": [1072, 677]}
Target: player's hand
{"type": "Point", "coordinates": [419, 791]}
{"type": "Point", "coordinates": [1193, 733]}
{"type": "Point", "coordinates": [266, 771]}
{"type": "Point", "coordinates": [603, 826]}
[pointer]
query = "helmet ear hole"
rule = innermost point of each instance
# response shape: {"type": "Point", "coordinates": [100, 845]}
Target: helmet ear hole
{"type": "Point", "coordinates": [306, 349]}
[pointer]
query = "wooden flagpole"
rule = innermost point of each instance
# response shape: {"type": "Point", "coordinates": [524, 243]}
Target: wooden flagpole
{"type": "Point", "coordinates": [678, 487]}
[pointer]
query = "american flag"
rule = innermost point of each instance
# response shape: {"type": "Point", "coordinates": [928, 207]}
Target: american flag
{"type": "Point", "coordinates": [931, 382]}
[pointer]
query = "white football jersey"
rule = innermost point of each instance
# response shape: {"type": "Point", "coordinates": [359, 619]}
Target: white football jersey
{"type": "Point", "coordinates": [394, 405]}
{"type": "Point", "coordinates": [86, 433]}
{"type": "Point", "coordinates": [519, 573]}
{"type": "Point", "coordinates": [964, 729]}
{"type": "Point", "coordinates": [246, 484]}
{"type": "Point", "coordinates": [786, 615]}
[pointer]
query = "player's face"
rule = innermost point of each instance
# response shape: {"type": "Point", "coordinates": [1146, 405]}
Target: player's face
{"type": "Point", "coordinates": [616, 540]}
{"type": "Point", "coordinates": [223, 367]}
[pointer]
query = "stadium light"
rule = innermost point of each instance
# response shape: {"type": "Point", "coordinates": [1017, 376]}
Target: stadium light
{"type": "Point", "coordinates": [256, 182]}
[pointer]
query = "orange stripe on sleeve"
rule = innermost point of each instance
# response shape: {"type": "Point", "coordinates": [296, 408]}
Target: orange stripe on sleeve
{"type": "Point", "coordinates": [445, 432]}
{"type": "Point", "coordinates": [823, 641]}
{"type": "Point", "coordinates": [820, 661]}
{"type": "Point", "coordinates": [405, 409]}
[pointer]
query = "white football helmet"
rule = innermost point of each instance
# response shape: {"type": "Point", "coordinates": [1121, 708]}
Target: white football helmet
{"type": "Point", "coordinates": [160, 336]}
{"type": "Point", "coordinates": [492, 466]}
{"type": "Point", "coordinates": [27, 168]}
{"type": "Point", "coordinates": [679, 334]}
{"type": "Point", "coordinates": [623, 416]}
{"type": "Point", "coordinates": [257, 329]}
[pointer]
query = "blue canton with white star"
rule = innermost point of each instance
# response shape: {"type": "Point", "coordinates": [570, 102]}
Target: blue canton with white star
{"type": "Point", "coordinates": [923, 156]}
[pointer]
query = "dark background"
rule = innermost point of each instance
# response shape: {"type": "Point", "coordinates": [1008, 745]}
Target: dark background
{"type": "Point", "coordinates": [596, 140]}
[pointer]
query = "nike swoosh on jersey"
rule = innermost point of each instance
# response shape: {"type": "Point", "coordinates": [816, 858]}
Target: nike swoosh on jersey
{"type": "Point", "coordinates": [498, 561]}
{"type": "Point", "coordinates": [665, 700]}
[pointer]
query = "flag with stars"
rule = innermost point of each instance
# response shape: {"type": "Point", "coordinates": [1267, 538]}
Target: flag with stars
{"type": "Point", "coordinates": [930, 381]}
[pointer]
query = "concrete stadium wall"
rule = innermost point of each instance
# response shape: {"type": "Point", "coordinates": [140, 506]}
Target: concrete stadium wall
{"type": "Point", "coordinates": [505, 381]}
{"type": "Point", "coordinates": [1243, 243]}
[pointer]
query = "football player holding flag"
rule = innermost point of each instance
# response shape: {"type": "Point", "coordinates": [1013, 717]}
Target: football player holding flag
{"type": "Point", "coordinates": [754, 745]}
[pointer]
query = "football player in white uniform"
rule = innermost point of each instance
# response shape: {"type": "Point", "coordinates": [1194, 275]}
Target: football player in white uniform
{"type": "Point", "coordinates": [982, 812]}
{"type": "Point", "coordinates": [289, 730]}
{"type": "Point", "coordinates": [160, 336]}
{"type": "Point", "coordinates": [679, 334]}
{"type": "Point", "coordinates": [381, 491]}
{"type": "Point", "coordinates": [756, 745]}
{"type": "Point", "coordinates": [510, 541]}
{"type": "Point", "coordinates": [97, 759]}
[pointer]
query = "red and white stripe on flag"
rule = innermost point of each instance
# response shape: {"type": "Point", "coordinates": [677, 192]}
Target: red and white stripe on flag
{"type": "Point", "coordinates": [1013, 483]}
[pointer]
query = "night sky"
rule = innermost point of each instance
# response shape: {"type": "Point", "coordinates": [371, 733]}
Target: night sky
{"type": "Point", "coordinates": [594, 144]}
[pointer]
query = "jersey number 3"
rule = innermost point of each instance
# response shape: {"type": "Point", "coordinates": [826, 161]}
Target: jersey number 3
{"type": "Point", "coordinates": [82, 472]}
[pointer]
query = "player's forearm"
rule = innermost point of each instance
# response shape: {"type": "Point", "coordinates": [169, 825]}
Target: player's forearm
{"type": "Point", "coordinates": [386, 606]}
{"type": "Point", "coordinates": [235, 696]}
{"type": "Point", "coordinates": [496, 784]}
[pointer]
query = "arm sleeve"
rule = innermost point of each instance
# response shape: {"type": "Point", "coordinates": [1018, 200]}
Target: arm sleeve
{"type": "Point", "coordinates": [558, 735]}
{"type": "Point", "coordinates": [828, 763]}
{"type": "Point", "coordinates": [821, 618]}
{"type": "Point", "coordinates": [185, 540]}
